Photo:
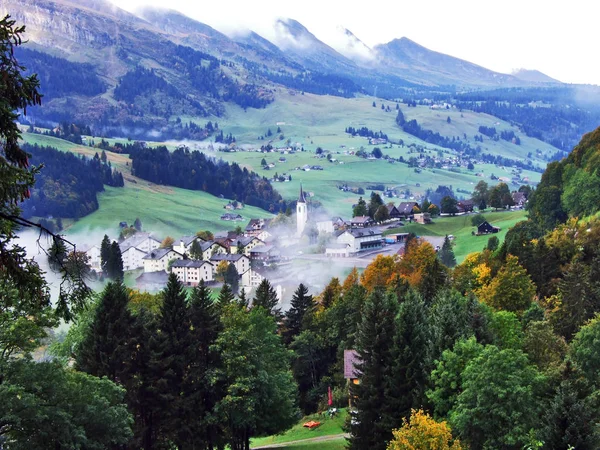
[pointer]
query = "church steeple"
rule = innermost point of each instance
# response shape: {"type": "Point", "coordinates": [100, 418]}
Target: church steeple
{"type": "Point", "coordinates": [301, 199]}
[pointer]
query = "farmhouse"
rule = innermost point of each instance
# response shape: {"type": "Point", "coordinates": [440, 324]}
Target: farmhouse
{"type": "Point", "coordinates": [190, 271]}
{"type": "Point", "coordinates": [407, 209]}
{"type": "Point", "coordinates": [231, 217]}
{"type": "Point", "coordinates": [158, 259]}
{"type": "Point", "coordinates": [519, 199]}
{"type": "Point", "coordinates": [465, 206]}
{"type": "Point", "coordinates": [361, 221]}
{"type": "Point", "coordinates": [256, 226]}
{"type": "Point", "coordinates": [486, 228]}
{"type": "Point", "coordinates": [360, 240]}
{"type": "Point", "coordinates": [241, 262]}
{"type": "Point", "coordinates": [393, 212]}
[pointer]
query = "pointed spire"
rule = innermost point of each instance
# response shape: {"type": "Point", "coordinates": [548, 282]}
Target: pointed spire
{"type": "Point", "coordinates": [301, 199]}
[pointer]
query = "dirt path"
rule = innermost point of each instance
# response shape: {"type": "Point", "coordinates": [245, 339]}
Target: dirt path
{"type": "Point", "coordinates": [332, 437]}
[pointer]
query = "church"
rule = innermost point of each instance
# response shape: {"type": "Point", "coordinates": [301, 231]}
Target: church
{"type": "Point", "coordinates": [301, 213]}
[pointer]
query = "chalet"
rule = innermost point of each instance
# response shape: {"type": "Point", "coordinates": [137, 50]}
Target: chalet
{"type": "Point", "coordinates": [144, 241]}
{"type": "Point", "coordinates": [132, 258]}
{"type": "Point", "coordinates": [234, 205]}
{"type": "Point", "coordinates": [265, 253]}
{"type": "Point", "coordinates": [231, 217]}
{"type": "Point", "coordinates": [486, 228]}
{"type": "Point", "coordinates": [190, 271]}
{"type": "Point", "coordinates": [519, 199]}
{"type": "Point", "coordinates": [247, 243]}
{"type": "Point", "coordinates": [393, 212]}
{"type": "Point", "coordinates": [241, 262]}
{"type": "Point", "coordinates": [210, 248]}
{"type": "Point", "coordinates": [422, 218]}
{"type": "Point", "coordinates": [360, 240]}
{"type": "Point", "coordinates": [158, 259]}
{"type": "Point", "coordinates": [256, 226]}
{"type": "Point", "coordinates": [361, 221]}
{"type": "Point", "coordinates": [465, 206]}
{"type": "Point", "coordinates": [407, 209]}
{"type": "Point", "coordinates": [184, 244]}
{"type": "Point", "coordinates": [152, 281]}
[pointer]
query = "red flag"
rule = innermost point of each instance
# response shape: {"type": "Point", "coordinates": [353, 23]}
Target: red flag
{"type": "Point", "coordinates": [329, 396]}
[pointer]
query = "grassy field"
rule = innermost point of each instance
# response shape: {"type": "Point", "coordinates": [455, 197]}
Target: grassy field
{"type": "Point", "coordinates": [461, 228]}
{"type": "Point", "coordinates": [337, 444]}
{"type": "Point", "coordinates": [328, 427]}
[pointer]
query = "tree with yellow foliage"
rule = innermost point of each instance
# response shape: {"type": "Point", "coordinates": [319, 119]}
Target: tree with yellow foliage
{"type": "Point", "coordinates": [510, 290]}
{"type": "Point", "coordinates": [167, 242]}
{"type": "Point", "coordinates": [422, 432]}
{"type": "Point", "coordinates": [222, 269]}
{"type": "Point", "coordinates": [379, 273]}
{"type": "Point", "coordinates": [351, 280]}
{"type": "Point", "coordinates": [418, 256]}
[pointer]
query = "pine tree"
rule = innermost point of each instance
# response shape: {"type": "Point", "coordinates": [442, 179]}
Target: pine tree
{"type": "Point", "coordinates": [170, 359]}
{"type": "Point", "coordinates": [266, 297]}
{"type": "Point", "coordinates": [232, 277]}
{"type": "Point", "coordinates": [302, 304]}
{"type": "Point", "coordinates": [105, 347]}
{"type": "Point", "coordinates": [196, 250]}
{"type": "Point", "coordinates": [57, 254]}
{"type": "Point", "coordinates": [137, 224]}
{"type": "Point", "coordinates": [202, 387]}
{"type": "Point", "coordinates": [242, 300]}
{"type": "Point", "coordinates": [376, 332]}
{"type": "Point", "coordinates": [447, 254]}
{"type": "Point", "coordinates": [225, 296]}
{"type": "Point", "coordinates": [115, 262]}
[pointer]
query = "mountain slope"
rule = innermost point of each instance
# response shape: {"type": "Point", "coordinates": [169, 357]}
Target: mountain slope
{"type": "Point", "coordinates": [419, 64]}
{"type": "Point", "coordinates": [534, 76]}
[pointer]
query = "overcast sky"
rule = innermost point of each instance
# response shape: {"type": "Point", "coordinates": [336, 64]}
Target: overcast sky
{"type": "Point", "coordinates": [559, 38]}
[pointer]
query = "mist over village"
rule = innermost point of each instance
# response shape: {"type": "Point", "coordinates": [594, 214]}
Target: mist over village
{"type": "Point", "coordinates": [257, 225]}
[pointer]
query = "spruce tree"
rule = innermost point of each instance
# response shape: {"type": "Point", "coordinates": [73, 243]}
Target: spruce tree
{"type": "Point", "coordinates": [105, 254]}
{"type": "Point", "coordinates": [447, 254]}
{"type": "Point", "coordinates": [374, 341]}
{"type": "Point", "coordinates": [170, 358]}
{"type": "Point", "coordinates": [105, 347]}
{"type": "Point", "coordinates": [196, 250]}
{"type": "Point", "coordinates": [302, 304]}
{"type": "Point", "coordinates": [226, 295]}
{"type": "Point", "coordinates": [232, 277]}
{"type": "Point", "coordinates": [202, 387]}
{"type": "Point", "coordinates": [115, 262]}
{"type": "Point", "coordinates": [242, 299]}
{"type": "Point", "coordinates": [266, 297]}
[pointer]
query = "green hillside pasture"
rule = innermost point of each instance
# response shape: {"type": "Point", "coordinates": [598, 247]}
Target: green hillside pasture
{"type": "Point", "coordinates": [320, 120]}
{"type": "Point", "coordinates": [334, 444]}
{"type": "Point", "coordinates": [165, 210]}
{"type": "Point", "coordinates": [460, 227]}
{"type": "Point", "coordinates": [328, 427]}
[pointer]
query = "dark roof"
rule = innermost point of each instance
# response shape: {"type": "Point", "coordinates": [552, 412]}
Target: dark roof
{"type": "Point", "coordinates": [160, 277]}
{"type": "Point", "coordinates": [391, 208]}
{"type": "Point", "coordinates": [406, 207]}
{"type": "Point", "coordinates": [351, 360]}
{"type": "Point", "coordinates": [518, 197]}
{"type": "Point", "coordinates": [159, 253]}
{"type": "Point", "coordinates": [223, 257]}
{"type": "Point", "coordinates": [467, 203]}
{"type": "Point", "coordinates": [486, 226]}
{"type": "Point", "coordinates": [208, 244]}
{"type": "Point", "coordinates": [189, 263]}
{"type": "Point", "coordinates": [361, 233]}
{"type": "Point", "coordinates": [361, 219]}
{"type": "Point", "coordinates": [259, 223]}
{"type": "Point", "coordinates": [135, 240]}
{"type": "Point", "coordinates": [262, 249]}
{"type": "Point", "coordinates": [246, 240]}
{"type": "Point", "coordinates": [187, 240]}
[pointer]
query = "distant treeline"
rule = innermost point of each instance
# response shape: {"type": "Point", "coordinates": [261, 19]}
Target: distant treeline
{"type": "Point", "coordinates": [316, 83]}
{"type": "Point", "coordinates": [59, 77]}
{"type": "Point", "coordinates": [194, 170]}
{"type": "Point", "coordinates": [67, 185]}
{"type": "Point", "coordinates": [365, 132]}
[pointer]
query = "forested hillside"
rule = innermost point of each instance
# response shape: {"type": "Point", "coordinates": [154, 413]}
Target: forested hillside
{"type": "Point", "coordinates": [194, 170]}
{"type": "Point", "coordinates": [68, 185]}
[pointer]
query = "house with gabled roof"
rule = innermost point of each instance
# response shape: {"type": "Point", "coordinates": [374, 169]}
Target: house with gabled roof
{"type": "Point", "coordinates": [407, 209]}
{"type": "Point", "coordinates": [465, 206]}
{"type": "Point", "coordinates": [159, 258]}
{"type": "Point", "coordinates": [361, 221]}
{"type": "Point", "coordinates": [190, 271]}
{"type": "Point", "coordinates": [360, 240]}
{"type": "Point", "coordinates": [143, 241]}
{"type": "Point", "coordinates": [210, 248]}
{"type": "Point", "coordinates": [247, 243]}
{"type": "Point", "coordinates": [183, 245]}
{"type": "Point", "coordinates": [486, 228]}
{"type": "Point", "coordinates": [240, 261]}
{"type": "Point", "coordinates": [393, 212]}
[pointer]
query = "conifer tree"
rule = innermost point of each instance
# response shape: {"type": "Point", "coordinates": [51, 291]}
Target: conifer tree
{"type": "Point", "coordinates": [266, 297]}
{"type": "Point", "coordinates": [105, 254]}
{"type": "Point", "coordinates": [170, 358]}
{"type": "Point", "coordinates": [232, 277]}
{"type": "Point", "coordinates": [225, 296]}
{"type": "Point", "coordinates": [302, 304]}
{"type": "Point", "coordinates": [242, 299]}
{"type": "Point", "coordinates": [447, 254]}
{"type": "Point", "coordinates": [196, 251]}
{"type": "Point", "coordinates": [105, 347]}
{"type": "Point", "coordinates": [201, 387]}
{"type": "Point", "coordinates": [371, 430]}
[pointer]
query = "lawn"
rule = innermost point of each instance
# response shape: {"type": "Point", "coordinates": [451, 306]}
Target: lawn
{"type": "Point", "coordinates": [336, 444]}
{"type": "Point", "coordinates": [328, 427]}
{"type": "Point", "coordinates": [461, 228]}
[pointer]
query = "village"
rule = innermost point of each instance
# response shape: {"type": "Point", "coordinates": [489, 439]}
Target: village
{"type": "Point", "coordinates": [266, 248]}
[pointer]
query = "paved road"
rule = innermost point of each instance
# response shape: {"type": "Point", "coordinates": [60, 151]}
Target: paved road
{"type": "Point", "coordinates": [333, 437]}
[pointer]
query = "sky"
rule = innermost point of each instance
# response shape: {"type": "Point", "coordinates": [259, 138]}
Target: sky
{"type": "Point", "coordinates": [556, 37]}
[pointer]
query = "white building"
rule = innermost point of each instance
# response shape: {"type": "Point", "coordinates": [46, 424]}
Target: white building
{"type": "Point", "coordinates": [210, 248]}
{"type": "Point", "coordinates": [301, 213]}
{"type": "Point", "coordinates": [337, 250]}
{"type": "Point", "coordinates": [241, 262]}
{"type": "Point", "coordinates": [132, 258]}
{"type": "Point", "coordinates": [360, 240]}
{"type": "Point", "coordinates": [93, 255]}
{"type": "Point", "coordinates": [158, 259]}
{"type": "Point", "coordinates": [246, 242]}
{"type": "Point", "coordinates": [190, 271]}
{"type": "Point", "coordinates": [325, 226]}
{"type": "Point", "coordinates": [144, 241]}
{"type": "Point", "coordinates": [184, 244]}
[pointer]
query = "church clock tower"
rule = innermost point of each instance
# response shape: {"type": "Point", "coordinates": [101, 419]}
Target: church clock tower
{"type": "Point", "coordinates": [301, 213]}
